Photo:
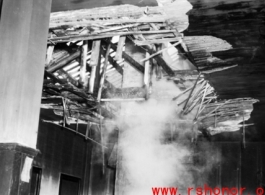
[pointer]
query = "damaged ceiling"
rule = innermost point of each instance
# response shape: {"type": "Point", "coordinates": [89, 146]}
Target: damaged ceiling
{"type": "Point", "coordinates": [81, 40]}
{"type": "Point", "coordinates": [241, 24]}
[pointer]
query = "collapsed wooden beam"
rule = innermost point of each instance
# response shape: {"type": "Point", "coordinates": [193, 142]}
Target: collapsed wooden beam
{"type": "Point", "coordinates": [63, 62]}
{"type": "Point", "coordinates": [128, 58]}
{"type": "Point", "coordinates": [160, 51]}
{"type": "Point", "coordinates": [133, 62]}
{"type": "Point", "coordinates": [113, 62]}
{"type": "Point", "coordinates": [68, 77]}
{"type": "Point", "coordinates": [55, 78]}
{"type": "Point", "coordinates": [161, 62]}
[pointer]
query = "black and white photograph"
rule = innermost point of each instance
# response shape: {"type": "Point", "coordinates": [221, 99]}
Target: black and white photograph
{"type": "Point", "coordinates": [132, 97]}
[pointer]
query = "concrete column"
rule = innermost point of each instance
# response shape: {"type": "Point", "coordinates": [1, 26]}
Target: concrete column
{"type": "Point", "coordinates": [23, 38]}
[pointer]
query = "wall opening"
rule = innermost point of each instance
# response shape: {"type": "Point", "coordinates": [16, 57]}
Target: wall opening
{"type": "Point", "coordinates": [35, 181]}
{"type": "Point", "coordinates": [69, 185]}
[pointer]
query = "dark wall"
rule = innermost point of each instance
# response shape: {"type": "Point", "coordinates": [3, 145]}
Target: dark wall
{"type": "Point", "coordinates": [65, 152]}
{"type": "Point", "coordinates": [239, 166]}
{"type": "Point", "coordinates": [61, 151]}
{"type": "Point", "coordinates": [240, 23]}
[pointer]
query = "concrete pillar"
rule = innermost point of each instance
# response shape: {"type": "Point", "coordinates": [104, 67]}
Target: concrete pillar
{"type": "Point", "coordinates": [23, 37]}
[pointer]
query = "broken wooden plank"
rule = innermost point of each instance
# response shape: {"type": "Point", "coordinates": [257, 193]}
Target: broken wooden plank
{"type": "Point", "coordinates": [63, 62]}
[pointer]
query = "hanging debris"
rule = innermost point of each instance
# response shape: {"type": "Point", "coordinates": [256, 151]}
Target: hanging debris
{"type": "Point", "coordinates": [91, 51]}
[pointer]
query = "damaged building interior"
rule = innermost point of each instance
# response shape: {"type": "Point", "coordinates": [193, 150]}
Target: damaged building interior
{"type": "Point", "coordinates": [123, 96]}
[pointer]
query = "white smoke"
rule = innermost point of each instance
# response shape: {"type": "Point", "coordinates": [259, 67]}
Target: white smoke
{"type": "Point", "coordinates": [152, 148]}
{"type": "Point", "coordinates": [148, 160]}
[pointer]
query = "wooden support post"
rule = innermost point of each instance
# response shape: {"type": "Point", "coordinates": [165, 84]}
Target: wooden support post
{"type": "Point", "coordinates": [158, 68]}
{"type": "Point", "coordinates": [94, 62]}
{"type": "Point", "coordinates": [83, 80]}
{"type": "Point", "coordinates": [98, 100]}
{"type": "Point", "coordinates": [147, 77]}
{"type": "Point", "coordinates": [120, 46]}
{"type": "Point", "coordinates": [146, 71]}
{"type": "Point", "coordinates": [103, 75]}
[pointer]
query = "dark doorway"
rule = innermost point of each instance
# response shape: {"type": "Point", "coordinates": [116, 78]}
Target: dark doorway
{"type": "Point", "coordinates": [35, 181]}
{"type": "Point", "coordinates": [69, 185]}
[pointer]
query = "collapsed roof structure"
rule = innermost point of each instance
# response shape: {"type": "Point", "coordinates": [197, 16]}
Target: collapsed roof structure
{"type": "Point", "coordinates": [101, 60]}
{"type": "Point", "coordinates": [89, 87]}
